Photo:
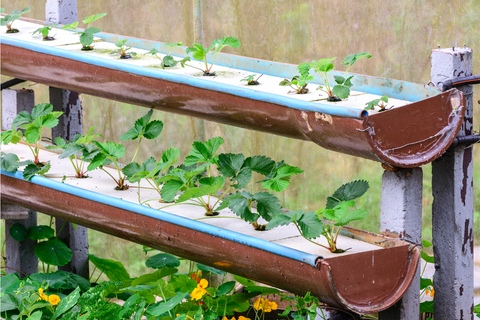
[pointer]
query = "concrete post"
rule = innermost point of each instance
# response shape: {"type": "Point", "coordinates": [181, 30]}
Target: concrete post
{"type": "Point", "coordinates": [13, 102]}
{"type": "Point", "coordinates": [198, 38]}
{"type": "Point", "coordinates": [21, 258]}
{"type": "Point", "coordinates": [63, 12]}
{"type": "Point", "coordinates": [401, 216]}
{"type": "Point", "coordinates": [70, 124]}
{"type": "Point", "coordinates": [452, 209]}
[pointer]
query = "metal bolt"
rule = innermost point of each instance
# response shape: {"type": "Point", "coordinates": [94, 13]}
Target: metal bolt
{"type": "Point", "coordinates": [438, 46]}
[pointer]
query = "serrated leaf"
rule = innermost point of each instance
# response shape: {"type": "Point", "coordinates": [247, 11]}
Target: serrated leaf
{"type": "Point", "coordinates": [86, 39]}
{"type": "Point", "coordinates": [162, 260]}
{"type": "Point", "coordinates": [347, 192]}
{"type": "Point", "coordinates": [279, 220]}
{"type": "Point", "coordinates": [30, 170]}
{"type": "Point", "coordinates": [40, 232]}
{"type": "Point", "coordinates": [327, 67]}
{"type": "Point", "coordinates": [310, 225]}
{"type": "Point", "coordinates": [341, 91]}
{"type": "Point", "coordinates": [304, 68]}
{"type": "Point", "coordinates": [18, 232]}
{"type": "Point", "coordinates": [53, 252]}
{"type": "Point", "coordinates": [153, 129]}
{"type": "Point", "coordinates": [114, 270]}
{"type": "Point", "coordinates": [97, 161]}
{"type": "Point", "coordinates": [268, 205]}
{"type": "Point", "coordinates": [352, 58]}
{"type": "Point", "coordinates": [41, 110]}
{"type": "Point", "coordinates": [198, 192]}
{"type": "Point", "coordinates": [229, 164]}
{"type": "Point", "coordinates": [239, 204]}
{"type": "Point", "coordinates": [219, 44]}
{"type": "Point", "coordinates": [92, 18]}
{"type": "Point", "coordinates": [170, 189]}
{"type": "Point", "coordinates": [131, 169]}
{"type": "Point", "coordinates": [111, 149]}
{"type": "Point", "coordinates": [10, 162]}
{"type": "Point", "coordinates": [243, 178]}
{"type": "Point", "coordinates": [349, 216]}
{"type": "Point", "coordinates": [261, 164]}
{"type": "Point", "coordinates": [32, 134]}
{"type": "Point", "coordinates": [21, 118]}
{"type": "Point", "coordinates": [204, 151]}
{"type": "Point", "coordinates": [339, 79]}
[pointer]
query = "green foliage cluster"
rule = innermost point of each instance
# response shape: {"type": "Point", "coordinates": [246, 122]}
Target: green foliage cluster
{"type": "Point", "coordinates": [122, 50]}
{"type": "Point", "coordinates": [168, 61]}
{"type": "Point", "coordinates": [86, 36]}
{"type": "Point", "coordinates": [44, 31]}
{"type": "Point", "coordinates": [200, 53]}
{"type": "Point", "coordinates": [380, 102]}
{"type": "Point", "coordinates": [8, 19]}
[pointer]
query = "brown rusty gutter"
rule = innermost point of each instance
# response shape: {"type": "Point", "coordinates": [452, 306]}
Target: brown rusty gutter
{"type": "Point", "coordinates": [363, 282]}
{"type": "Point", "coordinates": [407, 136]}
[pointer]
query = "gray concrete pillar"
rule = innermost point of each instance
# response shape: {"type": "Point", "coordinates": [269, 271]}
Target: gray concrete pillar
{"type": "Point", "coordinates": [70, 123]}
{"type": "Point", "coordinates": [20, 255]}
{"type": "Point", "coordinates": [61, 11]}
{"type": "Point", "coordinates": [77, 240]}
{"type": "Point", "coordinates": [452, 209]}
{"type": "Point", "coordinates": [15, 101]}
{"type": "Point", "coordinates": [401, 216]}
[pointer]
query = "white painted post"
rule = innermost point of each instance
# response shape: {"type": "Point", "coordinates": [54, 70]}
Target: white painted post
{"type": "Point", "coordinates": [70, 124]}
{"type": "Point", "coordinates": [452, 209]}
{"type": "Point", "coordinates": [401, 216]}
{"type": "Point", "coordinates": [21, 258]}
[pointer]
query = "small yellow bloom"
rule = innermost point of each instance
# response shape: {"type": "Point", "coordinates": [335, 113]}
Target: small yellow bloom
{"type": "Point", "coordinates": [42, 295]}
{"type": "Point", "coordinates": [430, 291]}
{"type": "Point", "coordinates": [199, 291]}
{"type": "Point", "coordinates": [243, 318]}
{"type": "Point", "coordinates": [265, 305]}
{"type": "Point", "coordinates": [53, 299]}
{"type": "Point", "coordinates": [203, 284]}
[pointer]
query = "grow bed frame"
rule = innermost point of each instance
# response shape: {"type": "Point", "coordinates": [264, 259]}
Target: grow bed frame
{"type": "Point", "coordinates": [377, 279]}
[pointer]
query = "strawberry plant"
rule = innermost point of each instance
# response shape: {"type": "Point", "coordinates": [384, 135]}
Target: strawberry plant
{"type": "Point", "coordinates": [328, 221]}
{"type": "Point", "coordinates": [251, 81]}
{"type": "Point", "coordinates": [200, 53]}
{"type": "Point", "coordinates": [298, 83]}
{"type": "Point", "coordinates": [44, 31]}
{"type": "Point", "coordinates": [168, 61]}
{"type": "Point", "coordinates": [78, 151]}
{"type": "Point", "coordinates": [343, 84]}
{"type": "Point", "coordinates": [122, 51]}
{"type": "Point", "coordinates": [42, 116]}
{"type": "Point", "coordinates": [381, 103]}
{"type": "Point", "coordinates": [86, 36]}
{"type": "Point", "coordinates": [10, 18]}
{"type": "Point", "coordinates": [110, 152]}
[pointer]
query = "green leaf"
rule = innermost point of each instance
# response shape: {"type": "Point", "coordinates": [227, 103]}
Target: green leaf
{"type": "Point", "coordinates": [244, 281]}
{"type": "Point", "coordinates": [426, 306]}
{"type": "Point", "coordinates": [21, 118]}
{"type": "Point", "coordinates": [219, 44]}
{"type": "Point", "coordinates": [198, 192]}
{"type": "Point", "coordinates": [41, 110]}
{"type": "Point", "coordinates": [98, 160]}
{"type": "Point", "coordinates": [170, 189]}
{"type": "Point", "coordinates": [341, 91]}
{"type": "Point", "coordinates": [71, 26]}
{"type": "Point", "coordinates": [424, 283]}
{"type": "Point", "coordinates": [268, 205]}
{"type": "Point", "coordinates": [229, 164]}
{"type": "Point", "coordinates": [304, 68]}
{"type": "Point", "coordinates": [37, 315]}
{"type": "Point", "coordinates": [310, 225]}
{"type": "Point", "coordinates": [153, 277]}
{"type": "Point", "coordinates": [203, 151]}
{"type": "Point", "coordinates": [205, 268]}
{"type": "Point", "coordinates": [111, 149]}
{"type": "Point", "coordinates": [263, 290]}
{"type": "Point", "coordinates": [162, 307]}
{"type": "Point", "coordinates": [8, 282]}
{"type": "Point", "coordinates": [284, 82]}
{"type": "Point", "coordinates": [32, 134]}
{"type": "Point", "coordinates": [243, 178]}
{"type": "Point", "coordinates": [327, 67]}
{"type": "Point", "coordinates": [182, 283]}
{"type": "Point", "coordinates": [114, 270]}
{"type": "Point", "coordinates": [66, 303]}
{"type": "Point", "coordinates": [427, 257]}
{"type": "Point", "coordinates": [18, 232]}
{"type": "Point", "coordinates": [53, 252]}
{"type": "Point", "coordinates": [426, 244]}
{"type": "Point", "coordinates": [225, 288]}
{"type": "Point", "coordinates": [40, 232]}
{"type": "Point", "coordinates": [153, 129]}
{"type": "Point", "coordinates": [8, 302]}
{"type": "Point", "coordinates": [348, 191]}
{"type": "Point", "coordinates": [352, 58]}
{"type": "Point", "coordinates": [30, 170]}
{"type": "Point", "coordinates": [10, 162]}
{"type": "Point", "coordinates": [349, 215]}
{"type": "Point", "coordinates": [240, 203]}
{"type": "Point", "coordinates": [279, 220]}
{"type": "Point", "coordinates": [92, 18]}
{"type": "Point", "coordinates": [162, 260]}
{"type": "Point", "coordinates": [132, 168]}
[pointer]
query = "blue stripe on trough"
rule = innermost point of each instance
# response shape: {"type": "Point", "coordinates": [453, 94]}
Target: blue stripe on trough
{"type": "Point", "coordinates": [397, 89]}
{"type": "Point", "coordinates": [171, 218]}
{"type": "Point", "coordinates": [392, 88]}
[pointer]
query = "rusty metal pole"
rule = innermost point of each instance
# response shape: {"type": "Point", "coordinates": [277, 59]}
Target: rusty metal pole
{"type": "Point", "coordinates": [198, 38]}
{"type": "Point", "coordinates": [452, 209]}
{"type": "Point", "coordinates": [20, 256]}
{"type": "Point", "coordinates": [401, 216]}
{"type": "Point", "coordinates": [70, 124]}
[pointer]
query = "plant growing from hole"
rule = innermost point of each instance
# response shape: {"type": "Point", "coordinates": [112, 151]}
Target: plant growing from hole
{"type": "Point", "coordinates": [343, 84]}
{"type": "Point", "coordinates": [110, 152]}
{"type": "Point", "coordinates": [381, 103]}
{"type": "Point", "coordinates": [122, 51]}
{"type": "Point", "coordinates": [42, 116]}
{"type": "Point", "coordinates": [328, 221]}
{"type": "Point", "coordinates": [426, 284]}
{"type": "Point", "coordinates": [81, 144]}
{"type": "Point", "coordinates": [168, 61]}
{"type": "Point", "coordinates": [200, 53]}
{"type": "Point", "coordinates": [86, 36]}
{"type": "Point", "coordinates": [44, 31]}
{"type": "Point", "coordinates": [277, 178]}
{"type": "Point", "coordinates": [298, 83]}
{"type": "Point", "coordinates": [251, 81]}
{"type": "Point", "coordinates": [11, 17]}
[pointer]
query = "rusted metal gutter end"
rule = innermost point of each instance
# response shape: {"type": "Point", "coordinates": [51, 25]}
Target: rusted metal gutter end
{"type": "Point", "coordinates": [418, 133]}
{"type": "Point", "coordinates": [365, 282]}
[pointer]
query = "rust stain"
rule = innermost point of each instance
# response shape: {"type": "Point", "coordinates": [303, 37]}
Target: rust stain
{"type": "Point", "coordinates": [467, 160]}
{"type": "Point", "coordinates": [223, 264]}
{"type": "Point", "coordinates": [467, 237]}
{"type": "Point", "coordinates": [305, 117]}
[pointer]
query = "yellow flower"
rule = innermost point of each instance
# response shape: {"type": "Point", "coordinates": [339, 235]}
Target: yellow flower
{"type": "Point", "coordinates": [430, 291]}
{"type": "Point", "coordinates": [233, 318]}
{"type": "Point", "coordinates": [42, 295]}
{"type": "Point", "coordinates": [53, 299]}
{"type": "Point", "coordinates": [243, 318]}
{"type": "Point", "coordinates": [199, 291]}
{"type": "Point", "coordinates": [264, 305]}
